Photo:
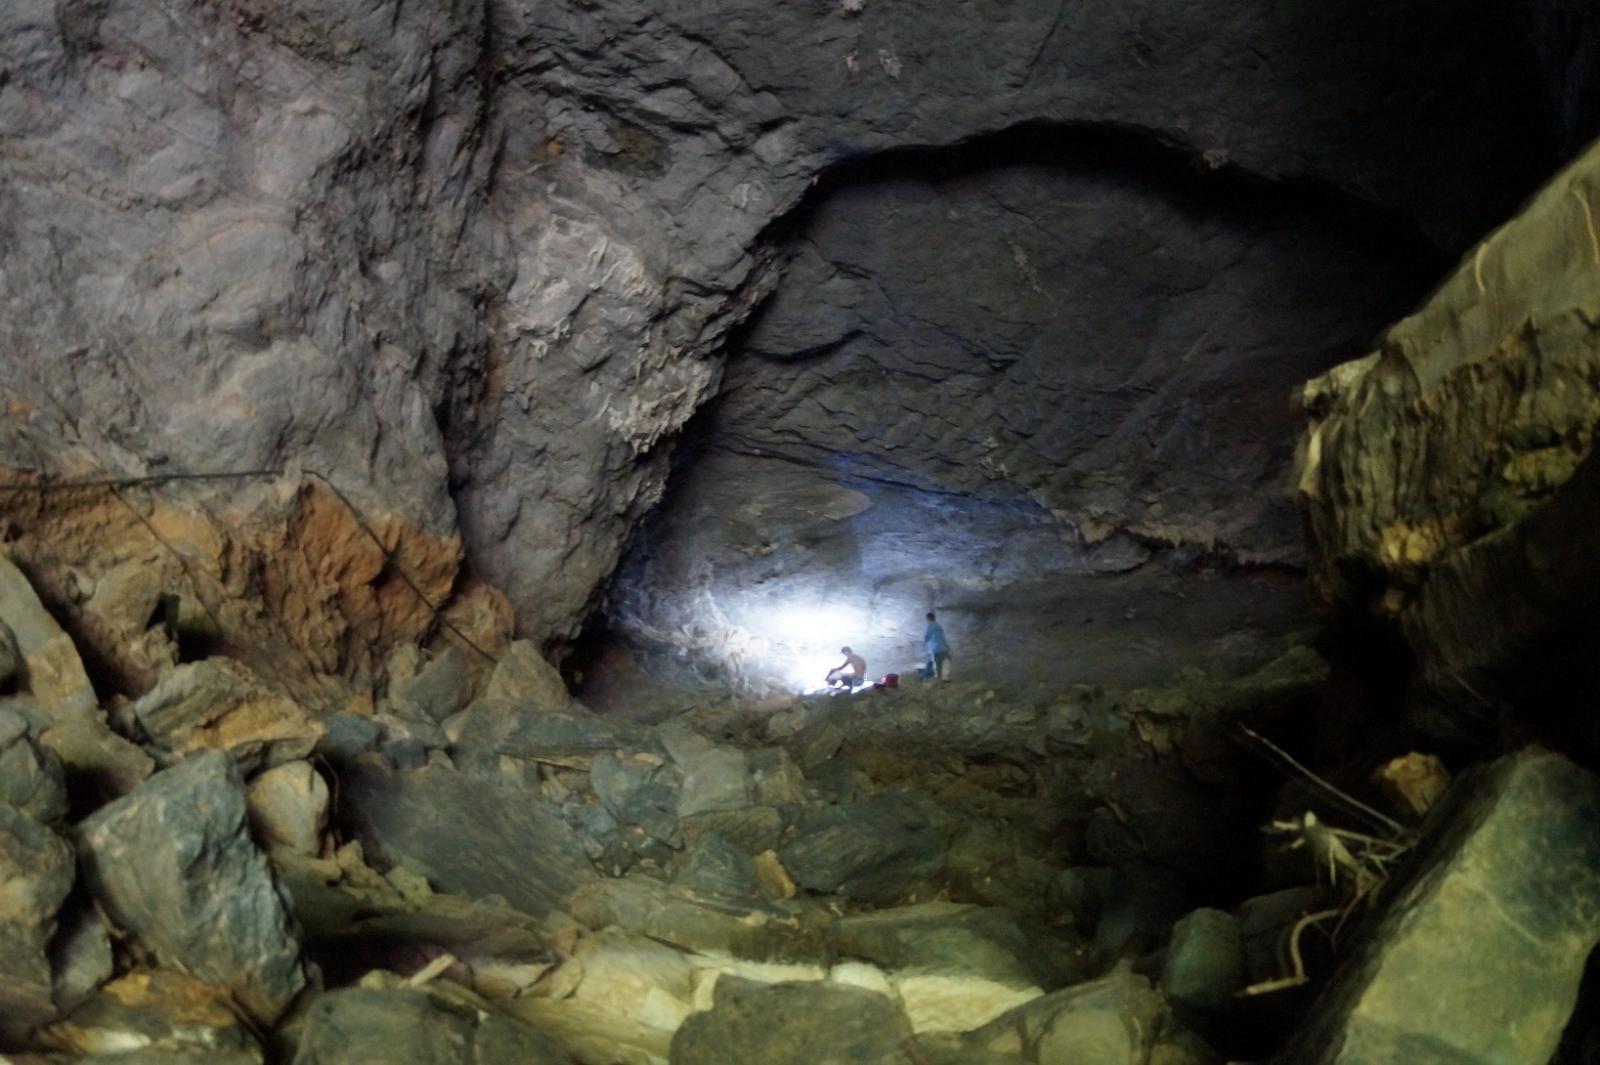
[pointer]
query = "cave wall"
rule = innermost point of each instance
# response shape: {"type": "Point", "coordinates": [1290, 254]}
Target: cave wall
{"type": "Point", "coordinates": [478, 261]}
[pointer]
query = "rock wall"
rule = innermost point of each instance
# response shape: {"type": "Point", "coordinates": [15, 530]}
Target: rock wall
{"type": "Point", "coordinates": [477, 261]}
{"type": "Point", "coordinates": [1448, 476]}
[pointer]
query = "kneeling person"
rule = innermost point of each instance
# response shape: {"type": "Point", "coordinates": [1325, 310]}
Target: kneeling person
{"type": "Point", "coordinates": [851, 673]}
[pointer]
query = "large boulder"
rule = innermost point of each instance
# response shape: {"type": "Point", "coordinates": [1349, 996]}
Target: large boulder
{"type": "Point", "coordinates": [466, 834]}
{"type": "Point", "coordinates": [159, 1011]}
{"type": "Point", "coordinates": [289, 808]}
{"type": "Point", "coordinates": [1111, 1021]}
{"type": "Point", "coordinates": [173, 864]}
{"type": "Point", "coordinates": [35, 875]}
{"type": "Point", "coordinates": [884, 850]}
{"type": "Point", "coordinates": [1447, 477]}
{"type": "Point", "coordinates": [1478, 959]}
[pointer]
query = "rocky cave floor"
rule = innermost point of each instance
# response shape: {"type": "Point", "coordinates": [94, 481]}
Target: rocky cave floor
{"type": "Point", "coordinates": [477, 868]}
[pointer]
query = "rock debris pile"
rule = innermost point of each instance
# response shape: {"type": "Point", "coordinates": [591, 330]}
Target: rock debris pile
{"type": "Point", "coordinates": [479, 869]}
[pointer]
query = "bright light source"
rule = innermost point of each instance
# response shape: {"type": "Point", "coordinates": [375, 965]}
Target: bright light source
{"type": "Point", "coordinates": [807, 639]}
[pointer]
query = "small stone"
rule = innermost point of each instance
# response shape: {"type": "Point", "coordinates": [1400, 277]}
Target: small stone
{"type": "Point", "coordinates": [714, 867]}
{"type": "Point", "coordinates": [1413, 783]}
{"type": "Point", "coordinates": [80, 956]}
{"type": "Point", "coordinates": [289, 808]}
{"type": "Point", "coordinates": [772, 879]}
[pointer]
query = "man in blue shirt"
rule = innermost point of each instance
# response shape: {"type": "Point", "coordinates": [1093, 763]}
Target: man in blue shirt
{"type": "Point", "coordinates": [938, 651]}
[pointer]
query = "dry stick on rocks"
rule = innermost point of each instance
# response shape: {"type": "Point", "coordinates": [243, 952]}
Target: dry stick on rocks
{"type": "Point", "coordinates": [1363, 860]}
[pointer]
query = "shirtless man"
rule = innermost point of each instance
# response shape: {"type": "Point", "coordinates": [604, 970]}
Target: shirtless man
{"type": "Point", "coordinates": [851, 673]}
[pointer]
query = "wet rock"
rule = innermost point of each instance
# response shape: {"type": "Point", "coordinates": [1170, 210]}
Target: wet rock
{"type": "Point", "coordinates": [173, 864]}
{"type": "Point", "coordinates": [1517, 852]}
{"type": "Point", "coordinates": [36, 873]}
{"type": "Point", "coordinates": [883, 850]}
{"type": "Point", "coordinates": [794, 1024]}
{"type": "Point", "coordinates": [54, 673]}
{"type": "Point", "coordinates": [467, 835]}
{"type": "Point", "coordinates": [438, 690]}
{"type": "Point", "coordinates": [218, 703]}
{"type": "Point", "coordinates": [288, 807]}
{"type": "Point", "coordinates": [1112, 1021]}
{"type": "Point", "coordinates": [157, 1011]}
{"type": "Point", "coordinates": [31, 778]}
{"type": "Point", "coordinates": [715, 777]}
{"type": "Point", "coordinates": [80, 955]}
{"type": "Point", "coordinates": [1205, 964]}
{"type": "Point", "coordinates": [359, 1026]}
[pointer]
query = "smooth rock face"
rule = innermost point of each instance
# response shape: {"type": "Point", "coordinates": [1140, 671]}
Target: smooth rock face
{"type": "Point", "coordinates": [795, 1024]}
{"type": "Point", "coordinates": [363, 1026]}
{"type": "Point", "coordinates": [36, 873]}
{"type": "Point", "coordinates": [1479, 957]}
{"type": "Point", "coordinates": [173, 863]}
{"type": "Point", "coordinates": [1445, 475]}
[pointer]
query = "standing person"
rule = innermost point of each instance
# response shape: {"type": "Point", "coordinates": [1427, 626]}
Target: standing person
{"type": "Point", "coordinates": [851, 673]}
{"type": "Point", "coordinates": [938, 650]}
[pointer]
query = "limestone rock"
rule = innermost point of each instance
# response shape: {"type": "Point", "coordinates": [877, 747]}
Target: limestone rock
{"type": "Point", "coordinates": [55, 674]}
{"type": "Point", "coordinates": [490, 728]}
{"type": "Point", "coordinates": [218, 703]}
{"type": "Point", "coordinates": [1205, 963]}
{"type": "Point", "coordinates": [36, 873]}
{"type": "Point", "coordinates": [1479, 956]}
{"type": "Point", "coordinates": [288, 807]}
{"type": "Point", "coordinates": [359, 1026]}
{"type": "Point", "coordinates": [1112, 1021]}
{"type": "Point", "coordinates": [795, 1024]}
{"type": "Point", "coordinates": [467, 835]}
{"type": "Point", "coordinates": [1443, 474]}
{"type": "Point", "coordinates": [173, 864]}
{"type": "Point", "coordinates": [157, 1011]}
{"type": "Point", "coordinates": [31, 778]}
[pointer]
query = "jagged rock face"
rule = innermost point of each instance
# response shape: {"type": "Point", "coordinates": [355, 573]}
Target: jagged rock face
{"type": "Point", "coordinates": [476, 262]}
{"type": "Point", "coordinates": [1448, 476]}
